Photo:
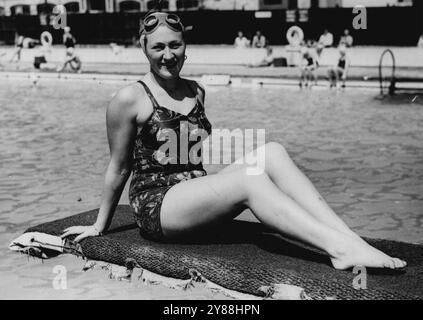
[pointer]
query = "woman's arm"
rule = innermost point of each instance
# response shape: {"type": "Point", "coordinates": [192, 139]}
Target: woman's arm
{"type": "Point", "coordinates": [121, 131]}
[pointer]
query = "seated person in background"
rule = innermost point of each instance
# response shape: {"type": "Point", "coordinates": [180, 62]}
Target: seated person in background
{"type": "Point", "coordinates": [346, 40]}
{"type": "Point", "coordinates": [326, 39]}
{"type": "Point", "coordinates": [420, 43]}
{"type": "Point", "coordinates": [340, 71]}
{"type": "Point", "coordinates": [116, 49]}
{"type": "Point", "coordinates": [241, 41]}
{"type": "Point", "coordinates": [259, 40]}
{"type": "Point", "coordinates": [41, 58]}
{"type": "Point", "coordinates": [308, 66]}
{"type": "Point", "coordinates": [72, 60]}
{"type": "Point", "coordinates": [267, 60]}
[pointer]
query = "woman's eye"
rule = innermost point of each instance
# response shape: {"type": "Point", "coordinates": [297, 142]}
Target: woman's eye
{"type": "Point", "coordinates": [175, 45]}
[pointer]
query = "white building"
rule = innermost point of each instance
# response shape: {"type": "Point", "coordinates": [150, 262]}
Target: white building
{"type": "Point", "coordinates": [33, 7]}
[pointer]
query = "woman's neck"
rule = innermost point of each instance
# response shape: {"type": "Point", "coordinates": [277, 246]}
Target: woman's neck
{"type": "Point", "coordinates": [169, 85]}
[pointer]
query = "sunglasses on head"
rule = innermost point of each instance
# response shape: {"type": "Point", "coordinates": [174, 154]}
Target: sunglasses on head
{"type": "Point", "coordinates": [153, 20]}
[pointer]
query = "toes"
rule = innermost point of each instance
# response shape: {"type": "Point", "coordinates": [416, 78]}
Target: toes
{"type": "Point", "coordinates": [389, 264]}
{"type": "Point", "coordinates": [399, 263]}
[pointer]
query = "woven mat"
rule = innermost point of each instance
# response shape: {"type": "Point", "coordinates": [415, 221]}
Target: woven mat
{"type": "Point", "coordinates": [244, 256]}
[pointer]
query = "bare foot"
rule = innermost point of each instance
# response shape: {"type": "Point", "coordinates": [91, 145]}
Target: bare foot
{"type": "Point", "coordinates": [359, 253]}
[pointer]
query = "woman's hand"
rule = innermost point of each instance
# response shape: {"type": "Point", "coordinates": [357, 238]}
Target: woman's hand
{"type": "Point", "coordinates": [82, 232]}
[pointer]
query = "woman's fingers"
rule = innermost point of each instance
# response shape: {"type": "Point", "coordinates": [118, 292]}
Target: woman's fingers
{"type": "Point", "coordinates": [81, 236]}
{"type": "Point", "coordinates": [71, 231]}
{"type": "Point", "coordinates": [82, 232]}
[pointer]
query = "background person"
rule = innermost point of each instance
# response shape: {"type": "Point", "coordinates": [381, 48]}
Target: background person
{"type": "Point", "coordinates": [68, 39]}
{"type": "Point", "coordinates": [340, 70]}
{"type": "Point", "coordinates": [267, 60]}
{"type": "Point", "coordinates": [308, 68]}
{"type": "Point", "coordinates": [346, 40]}
{"type": "Point", "coordinates": [420, 42]}
{"type": "Point", "coordinates": [19, 44]}
{"type": "Point", "coordinates": [326, 39]}
{"type": "Point", "coordinates": [72, 60]}
{"type": "Point", "coordinates": [241, 42]}
{"type": "Point", "coordinates": [177, 200]}
{"type": "Point", "coordinates": [259, 40]}
{"type": "Point", "coordinates": [43, 55]}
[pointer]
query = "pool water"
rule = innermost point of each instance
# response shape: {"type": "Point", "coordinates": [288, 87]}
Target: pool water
{"type": "Point", "coordinates": [365, 155]}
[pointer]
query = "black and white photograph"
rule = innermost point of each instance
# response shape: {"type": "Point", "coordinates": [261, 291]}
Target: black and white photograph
{"type": "Point", "coordinates": [216, 156]}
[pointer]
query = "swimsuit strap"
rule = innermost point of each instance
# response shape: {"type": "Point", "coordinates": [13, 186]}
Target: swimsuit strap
{"type": "Point", "coordinates": [196, 93]}
{"type": "Point", "coordinates": [154, 101]}
{"type": "Point", "coordinates": [150, 95]}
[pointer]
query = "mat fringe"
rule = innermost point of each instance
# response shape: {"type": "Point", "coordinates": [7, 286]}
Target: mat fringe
{"type": "Point", "coordinates": [128, 273]}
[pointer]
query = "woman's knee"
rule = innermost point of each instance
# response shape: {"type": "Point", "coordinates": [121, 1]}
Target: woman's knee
{"type": "Point", "coordinates": [275, 150]}
{"type": "Point", "coordinates": [252, 180]}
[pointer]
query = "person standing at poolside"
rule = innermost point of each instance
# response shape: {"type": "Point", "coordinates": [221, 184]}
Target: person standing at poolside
{"type": "Point", "coordinates": [259, 40]}
{"type": "Point", "coordinates": [173, 198]}
{"type": "Point", "coordinates": [19, 44]}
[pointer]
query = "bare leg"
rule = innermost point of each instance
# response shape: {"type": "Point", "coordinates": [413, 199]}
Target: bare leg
{"type": "Point", "coordinates": [291, 181]}
{"type": "Point", "coordinates": [302, 77]}
{"type": "Point", "coordinates": [196, 204]}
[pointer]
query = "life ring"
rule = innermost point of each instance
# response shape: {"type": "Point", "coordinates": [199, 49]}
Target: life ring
{"type": "Point", "coordinates": [46, 38]}
{"type": "Point", "coordinates": [295, 35]}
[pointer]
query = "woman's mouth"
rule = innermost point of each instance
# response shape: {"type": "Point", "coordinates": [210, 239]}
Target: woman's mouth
{"type": "Point", "coordinates": [169, 65]}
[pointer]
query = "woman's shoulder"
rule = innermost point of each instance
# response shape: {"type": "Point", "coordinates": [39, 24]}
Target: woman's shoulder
{"type": "Point", "coordinates": [129, 95]}
{"type": "Point", "coordinates": [130, 100]}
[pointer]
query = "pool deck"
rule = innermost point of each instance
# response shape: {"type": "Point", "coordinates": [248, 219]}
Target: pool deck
{"type": "Point", "coordinates": [227, 61]}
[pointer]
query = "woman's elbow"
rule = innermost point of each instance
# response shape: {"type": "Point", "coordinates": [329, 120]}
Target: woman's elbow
{"type": "Point", "coordinates": [122, 170]}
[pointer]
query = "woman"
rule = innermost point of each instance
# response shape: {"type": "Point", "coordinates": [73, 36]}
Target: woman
{"type": "Point", "coordinates": [71, 59]}
{"type": "Point", "coordinates": [308, 68]}
{"type": "Point", "coordinates": [340, 70]}
{"type": "Point", "coordinates": [174, 201]}
{"type": "Point", "coordinates": [19, 44]}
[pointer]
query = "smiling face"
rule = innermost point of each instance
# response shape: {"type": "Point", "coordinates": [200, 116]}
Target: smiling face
{"type": "Point", "coordinates": [165, 50]}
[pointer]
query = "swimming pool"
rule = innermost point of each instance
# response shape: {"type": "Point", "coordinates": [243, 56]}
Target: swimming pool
{"type": "Point", "coordinates": [365, 155]}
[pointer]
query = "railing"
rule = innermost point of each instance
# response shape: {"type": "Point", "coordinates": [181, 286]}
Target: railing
{"type": "Point", "coordinates": [391, 75]}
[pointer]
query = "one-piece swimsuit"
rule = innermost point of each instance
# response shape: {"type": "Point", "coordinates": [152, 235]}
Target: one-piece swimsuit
{"type": "Point", "coordinates": [159, 164]}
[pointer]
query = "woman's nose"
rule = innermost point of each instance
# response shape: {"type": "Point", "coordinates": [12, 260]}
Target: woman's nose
{"type": "Point", "coordinates": [167, 54]}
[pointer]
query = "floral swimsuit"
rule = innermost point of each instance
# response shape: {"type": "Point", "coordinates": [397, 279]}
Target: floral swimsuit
{"type": "Point", "coordinates": [163, 157]}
